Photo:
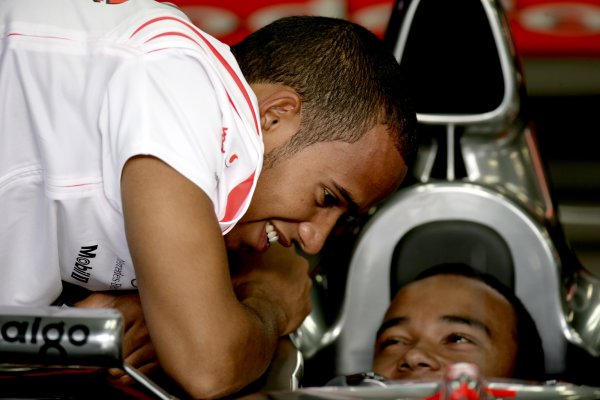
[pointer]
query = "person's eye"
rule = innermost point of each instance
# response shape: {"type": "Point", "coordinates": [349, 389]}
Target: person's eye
{"type": "Point", "coordinates": [387, 343]}
{"type": "Point", "coordinates": [392, 341]}
{"type": "Point", "coordinates": [329, 199]}
{"type": "Point", "coordinates": [457, 338]}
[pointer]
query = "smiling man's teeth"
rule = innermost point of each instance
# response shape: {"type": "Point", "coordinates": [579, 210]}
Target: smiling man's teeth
{"type": "Point", "coordinates": [271, 233]}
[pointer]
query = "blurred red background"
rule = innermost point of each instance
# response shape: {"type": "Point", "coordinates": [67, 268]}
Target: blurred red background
{"type": "Point", "coordinates": [541, 28]}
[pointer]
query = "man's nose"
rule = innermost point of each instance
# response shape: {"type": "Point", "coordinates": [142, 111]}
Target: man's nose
{"type": "Point", "coordinates": [313, 233]}
{"type": "Point", "coordinates": [419, 359]}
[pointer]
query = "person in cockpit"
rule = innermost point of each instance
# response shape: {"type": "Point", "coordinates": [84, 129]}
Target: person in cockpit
{"type": "Point", "coordinates": [452, 313]}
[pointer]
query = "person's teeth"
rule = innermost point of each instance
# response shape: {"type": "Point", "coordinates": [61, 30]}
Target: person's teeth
{"type": "Point", "coordinates": [272, 236]}
{"type": "Point", "coordinates": [271, 233]}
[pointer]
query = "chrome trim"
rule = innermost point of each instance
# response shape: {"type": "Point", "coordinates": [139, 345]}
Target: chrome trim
{"type": "Point", "coordinates": [505, 177]}
{"type": "Point", "coordinates": [142, 379]}
{"type": "Point", "coordinates": [581, 305]}
{"type": "Point", "coordinates": [286, 368]}
{"type": "Point", "coordinates": [367, 291]}
{"type": "Point", "coordinates": [510, 102]}
{"type": "Point", "coordinates": [48, 336]}
{"type": "Point", "coordinates": [420, 390]}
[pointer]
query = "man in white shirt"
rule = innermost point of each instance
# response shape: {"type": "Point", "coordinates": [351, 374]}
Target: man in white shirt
{"type": "Point", "coordinates": [131, 146]}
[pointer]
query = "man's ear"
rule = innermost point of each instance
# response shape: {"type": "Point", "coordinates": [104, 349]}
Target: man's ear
{"type": "Point", "coordinates": [279, 106]}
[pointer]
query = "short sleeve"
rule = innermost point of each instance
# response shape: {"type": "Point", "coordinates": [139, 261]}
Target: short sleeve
{"type": "Point", "coordinates": [167, 105]}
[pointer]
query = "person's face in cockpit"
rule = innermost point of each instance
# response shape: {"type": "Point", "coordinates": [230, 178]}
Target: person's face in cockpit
{"type": "Point", "coordinates": [445, 319]}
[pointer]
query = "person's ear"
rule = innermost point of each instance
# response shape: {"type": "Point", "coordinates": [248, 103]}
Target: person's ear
{"type": "Point", "coordinates": [279, 110]}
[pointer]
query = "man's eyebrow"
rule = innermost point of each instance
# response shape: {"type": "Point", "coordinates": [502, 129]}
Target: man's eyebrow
{"type": "Point", "coordinates": [353, 207]}
{"type": "Point", "coordinates": [389, 323]}
{"type": "Point", "coordinates": [459, 319]}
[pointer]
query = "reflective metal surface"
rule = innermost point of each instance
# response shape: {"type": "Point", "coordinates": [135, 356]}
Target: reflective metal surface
{"type": "Point", "coordinates": [55, 336]}
{"type": "Point", "coordinates": [509, 106]}
{"type": "Point", "coordinates": [498, 148]}
{"type": "Point", "coordinates": [505, 186]}
{"type": "Point", "coordinates": [581, 303]}
{"type": "Point", "coordinates": [510, 164]}
{"type": "Point", "coordinates": [315, 333]}
{"type": "Point", "coordinates": [428, 391]}
{"type": "Point", "coordinates": [461, 381]}
{"type": "Point", "coordinates": [286, 368]}
{"type": "Point", "coordinates": [63, 338]}
{"type": "Point", "coordinates": [368, 290]}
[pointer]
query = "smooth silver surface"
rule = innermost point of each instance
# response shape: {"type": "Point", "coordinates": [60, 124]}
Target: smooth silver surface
{"type": "Point", "coordinates": [367, 291]}
{"type": "Point", "coordinates": [418, 390]}
{"type": "Point", "coordinates": [510, 164]}
{"type": "Point", "coordinates": [506, 188]}
{"type": "Point", "coordinates": [581, 303]}
{"type": "Point", "coordinates": [314, 333]}
{"type": "Point", "coordinates": [286, 368]}
{"type": "Point", "coordinates": [508, 108]}
{"type": "Point", "coordinates": [60, 336]}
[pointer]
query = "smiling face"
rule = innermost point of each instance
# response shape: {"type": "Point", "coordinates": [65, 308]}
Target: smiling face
{"type": "Point", "coordinates": [445, 319]}
{"type": "Point", "coordinates": [304, 195]}
{"type": "Point", "coordinates": [300, 195]}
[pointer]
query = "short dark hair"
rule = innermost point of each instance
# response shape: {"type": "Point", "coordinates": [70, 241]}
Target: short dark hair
{"type": "Point", "coordinates": [529, 364]}
{"type": "Point", "coordinates": [348, 81]}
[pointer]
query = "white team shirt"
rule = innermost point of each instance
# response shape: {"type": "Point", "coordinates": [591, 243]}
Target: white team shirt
{"type": "Point", "coordinates": [84, 86]}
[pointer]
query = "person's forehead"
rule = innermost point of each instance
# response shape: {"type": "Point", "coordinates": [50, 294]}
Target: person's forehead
{"type": "Point", "coordinates": [444, 294]}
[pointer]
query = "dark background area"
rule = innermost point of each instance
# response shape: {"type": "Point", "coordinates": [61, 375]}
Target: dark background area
{"type": "Point", "coordinates": [564, 99]}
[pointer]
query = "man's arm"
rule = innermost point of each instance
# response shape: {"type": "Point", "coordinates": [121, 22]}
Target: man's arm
{"type": "Point", "coordinates": [206, 340]}
{"type": "Point", "coordinates": [281, 269]}
{"type": "Point", "coordinates": [138, 349]}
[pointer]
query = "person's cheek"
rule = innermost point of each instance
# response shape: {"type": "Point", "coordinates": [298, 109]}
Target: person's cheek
{"type": "Point", "coordinates": [384, 365]}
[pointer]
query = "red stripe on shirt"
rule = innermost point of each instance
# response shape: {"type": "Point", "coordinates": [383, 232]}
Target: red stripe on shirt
{"type": "Point", "coordinates": [232, 105]}
{"type": "Point", "coordinates": [193, 40]}
{"type": "Point", "coordinates": [236, 198]}
{"type": "Point", "coordinates": [172, 34]}
{"type": "Point", "coordinates": [36, 36]}
{"type": "Point", "coordinates": [216, 53]}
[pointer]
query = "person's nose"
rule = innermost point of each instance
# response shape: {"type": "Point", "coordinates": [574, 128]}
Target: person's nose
{"type": "Point", "coordinates": [419, 359]}
{"type": "Point", "coordinates": [313, 233]}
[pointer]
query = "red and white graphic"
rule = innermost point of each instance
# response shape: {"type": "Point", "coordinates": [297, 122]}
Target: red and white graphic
{"type": "Point", "coordinates": [540, 27]}
{"type": "Point", "coordinates": [556, 27]}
